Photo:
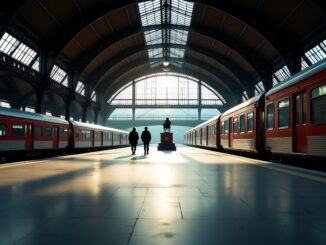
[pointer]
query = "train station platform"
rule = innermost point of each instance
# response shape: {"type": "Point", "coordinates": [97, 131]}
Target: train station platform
{"type": "Point", "coordinates": [192, 196]}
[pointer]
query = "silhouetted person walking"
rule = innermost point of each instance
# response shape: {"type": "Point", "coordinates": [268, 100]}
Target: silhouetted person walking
{"type": "Point", "coordinates": [133, 140]}
{"type": "Point", "coordinates": [146, 138]}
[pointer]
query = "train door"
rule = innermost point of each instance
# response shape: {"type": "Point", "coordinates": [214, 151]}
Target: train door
{"type": "Point", "coordinates": [201, 136]}
{"type": "Point", "coordinates": [29, 136]}
{"type": "Point", "coordinates": [230, 132]}
{"type": "Point", "coordinates": [299, 122]}
{"type": "Point", "coordinates": [92, 138]}
{"type": "Point", "coordinates": [56, 137]}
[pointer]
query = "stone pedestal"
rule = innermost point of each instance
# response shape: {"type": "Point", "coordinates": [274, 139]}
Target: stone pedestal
{"type": "Point", "coordinates": [166, 142]}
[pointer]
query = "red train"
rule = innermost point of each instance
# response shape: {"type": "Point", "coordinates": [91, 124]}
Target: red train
{"type": "Point", "coordinates": [25, 132]}
{"type": "Point", "coordinates": [289, 119]}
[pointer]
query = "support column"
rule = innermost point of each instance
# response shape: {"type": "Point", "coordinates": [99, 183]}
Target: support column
{"type": "Point", "coordinates": [67, 109]}
{"type": "Point", "coordinates": [133, 100]}
{"type": "Point", "coordinates": [39, 100]}
{"type": "Point", "coordinates": [267, 79]}
{"type": "Point", "coordinates": [199, 100]}
{"type": "Point", "coordinates": [294, 63]}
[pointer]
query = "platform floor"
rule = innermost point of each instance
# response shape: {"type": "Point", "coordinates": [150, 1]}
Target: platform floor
{"type": "Point", "coordinates": [191, 196]}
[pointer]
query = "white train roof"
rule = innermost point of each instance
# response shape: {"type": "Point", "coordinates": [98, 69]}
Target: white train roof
{"type": "Point", "coordinates": [243, 104]}
{"type": "Point", "coordinates": [94, 126]}
{"type": "Point", "coordinates": [31, 116]}
{"type": "Point", "coordinates": [204, 123]}
{"type": "Point", "coordinates": [298, 77]}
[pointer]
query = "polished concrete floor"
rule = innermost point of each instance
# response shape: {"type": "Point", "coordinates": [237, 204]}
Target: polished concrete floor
{"type": "Point", "coordinates": [191, 196]}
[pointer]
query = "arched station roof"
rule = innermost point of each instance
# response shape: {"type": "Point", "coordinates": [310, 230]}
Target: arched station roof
{"type": "Point", "coordinates": [232, 43]}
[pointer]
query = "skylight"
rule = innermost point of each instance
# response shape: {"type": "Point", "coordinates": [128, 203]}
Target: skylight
{"type": "Point", "coordinates": [16, 49]}
{"type": "Point", "coordinates": [304, 64]}
{"type": "Point", "coordinates": [80, 88]}
{"type": "Point", "coordinates": [280, 75]}
{"type": "Point", "coordinates": [93, 96]}
{"type": "Point", "coordinates": [315, 54]}
{"type": "Point", "coordinates": [259, 88]}
{"type": "Point", "coordinates": [153, 37]}
{"type": "Point", "coordinates": [4, 103]}
{"type": "Point", "coordinates": [178, 13]}
{"type": "Point", "coordinates": [59, 75]}
{"type": "Point", "coordinates": [181, 12]}
{"type": "Point", "coordinates": [150, 12]}
{"type": "Point", "coordinates": [245, 96]}
{"type": "Point", "coordinates": [36, 64]}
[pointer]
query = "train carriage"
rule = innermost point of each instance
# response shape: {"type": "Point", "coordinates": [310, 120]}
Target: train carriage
{"type": "Point", "coordinates": [205, 134]}
{"type": "Point", "coordinates": [242, 127]}
{"type": "Point", "coordinates": [85, 135]}
{"type": "Point", "coordinates": [296, 114]}
{"type": "Point", "coordinates": [24, 131]}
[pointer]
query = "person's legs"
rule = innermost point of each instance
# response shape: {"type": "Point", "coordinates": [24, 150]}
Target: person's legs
{"type": "Point", "coordinates": [147, 148]}
{"type": "Point", "coordinates": [144, 148]}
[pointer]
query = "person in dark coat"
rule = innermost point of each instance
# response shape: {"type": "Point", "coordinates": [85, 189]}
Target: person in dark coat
{"type": "Point", "coordinates": [133, 140]}
{"type": "Point", "coordinates": [146, 138]}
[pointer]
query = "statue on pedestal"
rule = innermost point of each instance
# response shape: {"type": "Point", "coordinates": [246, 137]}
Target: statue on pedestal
{"type": "Point", "coordinates": [167, 125]}
{"type": "Point", "coordinates": [166, 138]}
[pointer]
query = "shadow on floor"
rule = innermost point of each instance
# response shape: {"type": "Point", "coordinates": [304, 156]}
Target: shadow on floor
{"type": "Point", "coordinates": [123, 157]}
{"type": "Point", "coordinates": [138, 158]}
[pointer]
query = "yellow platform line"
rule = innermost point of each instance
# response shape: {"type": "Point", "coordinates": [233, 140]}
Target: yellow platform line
{"type": "Point", "coordinates": [15, 164]}
{"type": "Point", "coordinates": [269, 165]}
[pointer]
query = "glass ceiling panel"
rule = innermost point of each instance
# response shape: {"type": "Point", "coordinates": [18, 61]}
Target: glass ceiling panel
{"type": "Point", "coordinates": [57, 74]}
{"type": "Point", "coordinates": [304, 64]}
{"type": "Point", "coordinates": [80, 88]}
{"type": "Point", "coordinates": [16, 49]}
{"type": "Point", "coordinates": [315, 54]}
{"type": "Point", "coordinates": [282, 74]}
{"type": "Point", "coordinates": [24, 54]}
{"type": "Point", "coordinates": [8, 44]}
{"type": "Point", "coordinates": [93, 96]}
{"type": "Point", "coordinates": [177, 53]}
{"type": "Point", "coordinates": [153, 37]}
{"type": "Point", "coordinates": [181, 12]}
{"type": "Point", "coordinates": [179, 37]}
{"type": "Point", "coordinates": [150, 12]}
{"type": "Point", "coordinates": [36, 65]}
{"type": "Point", "coordinates": [155, 53]}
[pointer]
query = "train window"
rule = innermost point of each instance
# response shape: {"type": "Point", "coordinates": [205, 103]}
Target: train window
{"type": "Point", "coordinates": [37, 131]}
{"type": "Point", "coordinates": [17, 130]}
{"type": "Point", "coordinates": [222, 128]}
{"type": "Point", "coordinates": [284, 113]}
{"type": "Point", "coordinates": [226, 127]}
{"type": "Point", "coordinates": [77, 134]}
{"type": "Point", "coordinates": [235, 125]}
{"type": "Point", "coordinates": [304, 108]}
{"type": "Point", "coordinates": [270, 116]}
{"type": "Point", "coordinates": [63, 132]}
{"type": "Point", "coordinates": [48, 132]}
{"type": "Point", "coordinates": [250, 121]}
{"type": "Point", "coordinates": [3, 129]}
{"type": "Point", "coordinates": [242, 123]}
{"type": "Point", "coordinates": [318, 105]}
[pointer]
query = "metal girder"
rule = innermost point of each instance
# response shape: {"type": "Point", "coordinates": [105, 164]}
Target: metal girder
{"type": "Point", "coordinates": [225, 81]}
{"type": "Point", "coordinates": [99, 75]}
{"type": "Point", "coordinates": [233, 67]}
{"type": "Point", "coordinates": [56, 45]}
{"type": "Point", "coordinates": [234, 44]}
